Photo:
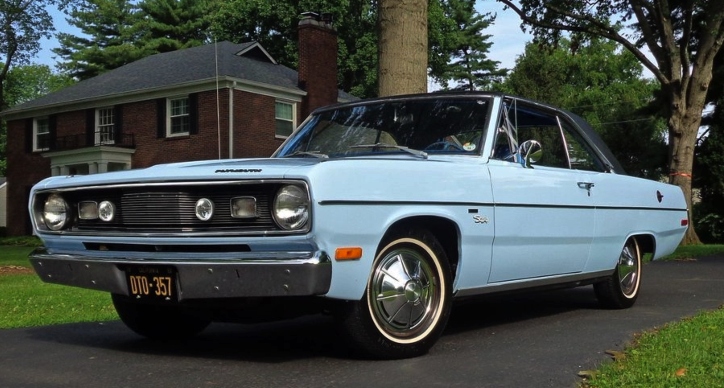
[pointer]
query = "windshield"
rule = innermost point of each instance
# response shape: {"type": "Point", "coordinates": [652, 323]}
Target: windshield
{"type": "Point", "coordinates": [432, 125]}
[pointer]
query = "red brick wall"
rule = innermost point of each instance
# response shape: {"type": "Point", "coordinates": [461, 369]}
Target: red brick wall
{"type": "Point", "coordinates": [24, 170]}
{"type": "Point", "coordinates": [140, 119]}
{"type": "Point", "coordinates": [317, 64]}
{"type": "Point", "coordinates": [254, 125]}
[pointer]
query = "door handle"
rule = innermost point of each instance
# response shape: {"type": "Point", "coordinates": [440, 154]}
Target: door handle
{"type": "Point", "coordinates": [587, 186]}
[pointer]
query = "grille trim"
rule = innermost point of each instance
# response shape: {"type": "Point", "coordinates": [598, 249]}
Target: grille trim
{"type": "Point", "coordinates": [168, 209]}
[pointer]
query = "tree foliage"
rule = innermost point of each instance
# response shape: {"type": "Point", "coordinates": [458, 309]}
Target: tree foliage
{"type": "Point", "coordinates": [118, 32]}
{"type": "Point", "coordinates": [682, 36]}
{"type": "Point", "coordinates": [22, 24]}
{"type": "Point", "coordinates": [170, 25]}
{"type": "Point", "coordinates": [709, 178]}
{"type": "Point", "coordinates": [459, 47]}
{"type": "Point", "coordinates": [604, 85]}
{"type": "Point", "coordinates": [110, 38]}
{"type": "Point", "coordinates": [274, 25]}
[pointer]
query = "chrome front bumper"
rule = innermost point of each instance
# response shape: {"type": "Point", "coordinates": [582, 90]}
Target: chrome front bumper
{"type": "Point", "coordinates": [260, 275]}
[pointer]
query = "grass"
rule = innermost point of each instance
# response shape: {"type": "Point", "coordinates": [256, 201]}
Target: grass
{"type": "Point", "coordinates": [690, 251]}
{"type": "Point", "coordinates": [27, 301]}
{"type": "Point", "coordinates": [689, 353]}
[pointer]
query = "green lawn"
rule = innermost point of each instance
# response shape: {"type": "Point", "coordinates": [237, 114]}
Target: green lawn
{"type": "Point", "coordinates": [27, 301]}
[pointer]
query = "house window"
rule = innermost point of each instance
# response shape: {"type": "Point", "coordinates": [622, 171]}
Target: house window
{"type": "Point", "coordinates": [104, 126]}
{"type": "Point", "coordinates": [284, 115]}
{"type": "Point", "coordinates": [41, 134]}
{"type": "Point", "coordinates": [179, 123]}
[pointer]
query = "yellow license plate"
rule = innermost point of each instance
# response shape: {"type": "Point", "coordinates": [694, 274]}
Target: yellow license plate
{"type": "Point", "coordinates": [152, 282]}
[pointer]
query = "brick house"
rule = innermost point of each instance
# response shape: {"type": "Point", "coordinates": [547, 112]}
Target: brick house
{"type": "Point", "coordinates": [216, 101]}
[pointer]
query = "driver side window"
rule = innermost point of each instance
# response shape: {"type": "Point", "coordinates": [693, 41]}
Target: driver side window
{"type": "Point", "coordinates": [562, 145]}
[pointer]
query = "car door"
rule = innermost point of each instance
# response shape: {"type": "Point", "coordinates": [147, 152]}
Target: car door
{"type": "Point", "coordinates": [544, 213]}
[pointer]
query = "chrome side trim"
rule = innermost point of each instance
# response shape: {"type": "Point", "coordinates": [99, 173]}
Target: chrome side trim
{"type": "Point", "coordinates": [248, 275]}
{"type": "Point", "coordinates": [574, 280]}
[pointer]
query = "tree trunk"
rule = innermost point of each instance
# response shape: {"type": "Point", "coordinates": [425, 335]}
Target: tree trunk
{"type": "Point", "coordinates": [402, 32]}
{"type": "Point", "coordinates": [683, 131]}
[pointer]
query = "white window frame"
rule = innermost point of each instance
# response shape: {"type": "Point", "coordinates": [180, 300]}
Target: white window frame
{"type": "Point", "coordinates": [170, 116]}
{"type": "Point", "coordinates": [102, 124]}
{"type": "Point", "coordinates": [293, 120]}
{"type": "Point", "coordinates": [36, 133]}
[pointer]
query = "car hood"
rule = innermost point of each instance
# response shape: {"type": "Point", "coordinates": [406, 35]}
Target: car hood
{"type": "Point", "coordinates": [268, 168]}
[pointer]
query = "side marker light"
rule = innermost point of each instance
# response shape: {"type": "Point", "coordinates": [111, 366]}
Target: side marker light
{"type": "Point", "coordinates": [348, 253]}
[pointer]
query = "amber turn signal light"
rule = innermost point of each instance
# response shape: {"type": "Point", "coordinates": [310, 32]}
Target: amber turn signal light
{"type": "Point", "coordinates": [348, 253]}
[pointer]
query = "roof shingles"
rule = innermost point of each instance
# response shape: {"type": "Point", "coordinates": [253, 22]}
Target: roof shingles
{"type": "Point", "coordinates": [169, 69]}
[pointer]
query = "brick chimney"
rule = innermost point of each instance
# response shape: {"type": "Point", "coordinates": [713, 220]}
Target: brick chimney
{"type": "Point", "coordinates": [317, 61]}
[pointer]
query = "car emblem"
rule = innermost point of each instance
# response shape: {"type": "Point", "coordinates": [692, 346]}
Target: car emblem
{"type": "Point", "coordinates": [480, 219]}
{"type": "Point", "coordinates": [238, 170]}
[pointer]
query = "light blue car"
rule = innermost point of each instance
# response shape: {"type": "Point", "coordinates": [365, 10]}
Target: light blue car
{"type": "Point", "coordinates": [381, 212]}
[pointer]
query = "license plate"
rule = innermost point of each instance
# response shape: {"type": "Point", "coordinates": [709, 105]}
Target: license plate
{"type": "Point", "coordinates": [152, 282]}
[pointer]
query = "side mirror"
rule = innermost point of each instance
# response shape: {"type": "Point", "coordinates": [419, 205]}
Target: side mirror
{"type": "Point", "coordinates": [529, 152]}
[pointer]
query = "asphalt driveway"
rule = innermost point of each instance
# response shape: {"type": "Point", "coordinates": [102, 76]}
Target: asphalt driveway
{"type": "Point", "coordinates": [540, 340]}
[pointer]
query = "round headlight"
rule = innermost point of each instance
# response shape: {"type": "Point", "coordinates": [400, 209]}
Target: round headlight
{"type": "Point", "coordinates": [204, 209]}
{"type": "Point", "coordinates": [291, 207]}
{"type": "Point", "coordinates": [55, 212]}
{"type": "Point", "coordinates": [106, 211]}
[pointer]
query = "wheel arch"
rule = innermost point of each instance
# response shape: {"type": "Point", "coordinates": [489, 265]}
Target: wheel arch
{"type": "Point", "coordinates": [445, 231]}
{"type": "Point", "coordinates": [646, 242]}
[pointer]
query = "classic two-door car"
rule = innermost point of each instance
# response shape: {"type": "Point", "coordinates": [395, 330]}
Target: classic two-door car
{"type": "Point", "coordinates": [381, 212]}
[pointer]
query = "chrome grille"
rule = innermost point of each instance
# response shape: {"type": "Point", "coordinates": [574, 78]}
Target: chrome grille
{"type": "Point", "coordinates": [142, 209]}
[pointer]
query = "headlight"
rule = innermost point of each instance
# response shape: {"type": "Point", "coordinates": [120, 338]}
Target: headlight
{"type": "Point", "coordinates": [106, 211]}
{"type": "Point", "coordinates": [291, 207]}
{"type": "Point", "coordinates": [204, 209]}
{"type": "Point", "coordinates": [55, 212]}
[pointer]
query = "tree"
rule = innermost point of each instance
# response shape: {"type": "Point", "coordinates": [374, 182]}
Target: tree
{"type": "Point", "coordinates": [118, 32]}
{"type": "Point", "coordinates": [110, 38]}
{"type": "Point", "coordinates": [682, 36]}
{"type": "Point", "coordinates": [604, 85]}
{"type": "Point", "coordinates": [402, 47]}
{"type": "Point", "coordinates": [274, 25]}
{"type": "Point", "coordinates": [709, 178]}
{"type": "Point", "coordinates": [22, 24]}
{"type": "Point", "coordinates": [459, 48]}
{"type": "Point", "coordinates": [25, 83]}
{"type": "Point", "coordinates": [170, 25]}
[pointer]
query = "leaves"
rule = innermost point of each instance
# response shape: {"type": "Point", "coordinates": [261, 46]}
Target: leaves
{"type": "Point", "coordinates": [616, 355]}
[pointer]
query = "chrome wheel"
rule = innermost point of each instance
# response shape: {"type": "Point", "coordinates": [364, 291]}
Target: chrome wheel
{"type": "Point", "coordinates": [404, 294]}
{"type": "Point", "coordinates": [621, 289]}
{"type": "Point", "coordinates": [407, 302]}
{"type": "Point", "coordinates": [628, 269]}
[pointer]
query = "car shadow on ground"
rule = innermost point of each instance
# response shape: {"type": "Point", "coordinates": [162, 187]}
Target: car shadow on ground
{"type": "Point", "coordinates": [307, 337]}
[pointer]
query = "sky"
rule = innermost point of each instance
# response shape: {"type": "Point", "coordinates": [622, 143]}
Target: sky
{"type": "Point", "coordinates": [507, 38]}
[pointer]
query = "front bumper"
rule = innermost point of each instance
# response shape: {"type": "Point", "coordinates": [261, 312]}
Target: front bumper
{"type": "Point", "coordinates": [260, 275]}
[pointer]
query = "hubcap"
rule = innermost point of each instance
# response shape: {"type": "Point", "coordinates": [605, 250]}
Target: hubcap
{"type": "Point", "coordinates": [628, 270]}
{"type": "Point", "coordinates": [404, 294]}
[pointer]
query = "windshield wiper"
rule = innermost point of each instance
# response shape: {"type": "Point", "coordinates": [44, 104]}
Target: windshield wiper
{"type": "Point", "coordinates": [316, 154]}
{"type": "Point", "coordinates": [420, 154]}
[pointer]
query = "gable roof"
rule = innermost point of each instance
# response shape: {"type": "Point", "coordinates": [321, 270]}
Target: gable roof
{"type": "Point", "coordinates": [245, 61]}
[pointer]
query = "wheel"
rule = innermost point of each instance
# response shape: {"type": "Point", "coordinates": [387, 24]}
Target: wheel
{"type": "Point", "coordinates": [157, 321]}
{"type": "Point", "coordinates": [407, 301]}
{"type": "Point", "coordinates": [622, 288]}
